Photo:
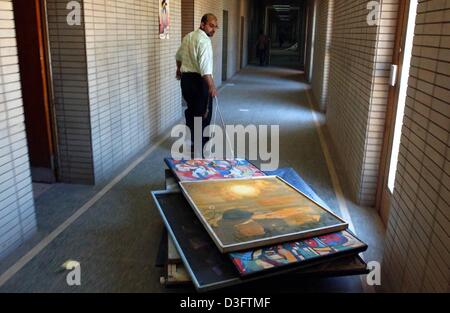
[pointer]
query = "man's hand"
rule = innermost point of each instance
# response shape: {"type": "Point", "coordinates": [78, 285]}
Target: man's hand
{"type": "Point", "coordinates": [179, 70]}
{"type": "Point", "coordinates": [212, 91]}
{"type": "Point", "coordinates": [211, 86]}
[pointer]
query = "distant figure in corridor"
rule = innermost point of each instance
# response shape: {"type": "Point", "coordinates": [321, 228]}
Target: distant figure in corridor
{"type": "Point", "coordinates": [281, 39]}
{"type": "Point", "coordinates": [262, 46]}
{"type": "Point", "coordinates": [195, 70]}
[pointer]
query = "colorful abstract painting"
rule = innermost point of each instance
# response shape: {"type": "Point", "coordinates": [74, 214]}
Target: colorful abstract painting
{"type": "Point", "coordinates": [194, 170]}
{"type": "Point", "coordinates": [247, 213]}
{"type": "Point", "coordinates": [296, 253]}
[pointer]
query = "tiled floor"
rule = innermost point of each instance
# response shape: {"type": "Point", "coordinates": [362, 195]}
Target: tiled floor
{"type": "Point", "coordinates": [116, 239]}
{"type": "Point", "coordinates": [39, 189]}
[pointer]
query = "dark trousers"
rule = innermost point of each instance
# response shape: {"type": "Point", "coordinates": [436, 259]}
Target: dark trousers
{"type": "Point", "coordinates": [196, 94]}
{"type": "Point", "coordinates": [262, 57]}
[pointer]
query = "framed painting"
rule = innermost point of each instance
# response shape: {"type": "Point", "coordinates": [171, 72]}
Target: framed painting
{"type": "Point", "coordinates": [247, 213]}
{"type": "Point", "coordinates": [194, 170]}
{"type": "Point", "coordinates": [297, 253]}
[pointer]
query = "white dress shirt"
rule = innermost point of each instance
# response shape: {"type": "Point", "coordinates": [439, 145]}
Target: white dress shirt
{"type": "Point", "coordinates": [196, 53]}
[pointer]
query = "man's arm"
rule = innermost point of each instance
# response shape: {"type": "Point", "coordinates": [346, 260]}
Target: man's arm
{"type": "Point", "coordinates": [211, 90]}
{"type": "Point", "coordinates": [211, 86]}
{"type": "Point", "coordinates": [179, 59]}
{"type": "Point", "coordinates": [179, 63]}
{"type": "Point", "coordinates": [205, 61]}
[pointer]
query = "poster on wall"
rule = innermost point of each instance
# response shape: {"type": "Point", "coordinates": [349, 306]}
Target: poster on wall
{"type": "Point", "coordinates": [164, 19]}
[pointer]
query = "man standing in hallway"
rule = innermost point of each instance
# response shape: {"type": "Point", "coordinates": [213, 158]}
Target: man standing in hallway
{"type": "Point", "coordinates": [195, 70]}
{"type": "Point", "coordinates": [263, 46]}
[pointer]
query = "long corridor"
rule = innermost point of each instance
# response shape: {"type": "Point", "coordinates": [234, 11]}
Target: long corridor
{"type": "Point", "coordinates": [116, 237]}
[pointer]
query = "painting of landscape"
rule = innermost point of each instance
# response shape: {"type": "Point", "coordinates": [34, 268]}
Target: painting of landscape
{"type": "Point", "coordinates": [248, 213]}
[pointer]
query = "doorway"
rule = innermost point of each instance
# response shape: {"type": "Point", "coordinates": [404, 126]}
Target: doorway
{"type": "Point", "coordinates": [225, 47]}
{"type": "Point", "coordinates": [283, 25]}
{"type": "Point", "coordinates": [187, 18]}
{"type": "Point", "coordinates": [32, 50]}
{"type": "Point", "coordinates": [396, 105]}
{"type": "Point", "coordinates": [241, 51]}
{"type": "Point", "coordinates": [312, 18]}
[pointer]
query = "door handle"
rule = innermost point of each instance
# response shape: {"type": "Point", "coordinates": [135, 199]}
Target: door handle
{"type": "Point", "coordinates": [393, 75]}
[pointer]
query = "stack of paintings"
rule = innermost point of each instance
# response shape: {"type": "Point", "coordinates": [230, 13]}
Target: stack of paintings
{"type": "Point", "coordinates": [261, 222]}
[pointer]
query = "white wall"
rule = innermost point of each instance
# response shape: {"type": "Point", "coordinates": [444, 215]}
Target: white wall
{"type": "Point", "coordinates": [417, 252]}
{"type": "Point", "coordinates": [17, 217]}
{"type": "Point", "coordinates": [133, 94]}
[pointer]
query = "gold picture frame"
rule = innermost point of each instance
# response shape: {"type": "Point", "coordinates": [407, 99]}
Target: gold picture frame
{"type": "Point", "coordinates": [247, 213]}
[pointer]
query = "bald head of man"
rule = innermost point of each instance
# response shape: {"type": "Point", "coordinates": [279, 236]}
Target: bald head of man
{"type": "Point", "coordinates": [209, 24]}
